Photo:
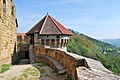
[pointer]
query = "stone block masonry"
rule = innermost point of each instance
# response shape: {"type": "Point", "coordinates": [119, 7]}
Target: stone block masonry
{"type": "Point", "coordinates": [8, 30]}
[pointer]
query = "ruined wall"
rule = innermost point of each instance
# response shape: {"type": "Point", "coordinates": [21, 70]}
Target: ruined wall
{"type": "Point", "coordinates": [8, 30]}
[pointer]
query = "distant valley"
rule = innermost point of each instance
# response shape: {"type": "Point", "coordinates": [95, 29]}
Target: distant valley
{"type": "Point", "coordinates": [115, 42]}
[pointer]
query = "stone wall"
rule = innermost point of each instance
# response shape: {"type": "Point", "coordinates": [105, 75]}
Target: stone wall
{"type": "Point", "coordinates": [73, 63]}
{"type": "Point", "coordinates": [67, 61]}
{"type": "Point", "coordinates": [8, 31]}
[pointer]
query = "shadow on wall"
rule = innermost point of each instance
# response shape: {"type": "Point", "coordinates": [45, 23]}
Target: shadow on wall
{"type": "Point", "coordinates": [14, 56]}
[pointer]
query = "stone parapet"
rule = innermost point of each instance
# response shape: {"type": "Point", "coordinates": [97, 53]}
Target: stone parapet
{"type": "Point", "coordinates": [73, 63]}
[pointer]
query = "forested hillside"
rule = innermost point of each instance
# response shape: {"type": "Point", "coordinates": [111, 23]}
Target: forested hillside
{"type": "Point", "coordinates": [86, 46]}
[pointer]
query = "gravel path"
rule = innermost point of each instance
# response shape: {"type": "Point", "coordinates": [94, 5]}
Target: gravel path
{"type": "Point", "coordinates": [16, 71]}
{"type": "Point", "coordinates": [13, 72]}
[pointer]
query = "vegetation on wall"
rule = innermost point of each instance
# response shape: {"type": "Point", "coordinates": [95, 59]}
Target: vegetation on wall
{"type": "Point", "coordinates": [108, 54]}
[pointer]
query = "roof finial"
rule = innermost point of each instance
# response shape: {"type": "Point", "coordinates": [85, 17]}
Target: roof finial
{"type": "Point", "coordinates": [47, 13]}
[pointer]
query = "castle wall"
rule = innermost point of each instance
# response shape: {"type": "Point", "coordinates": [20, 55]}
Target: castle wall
{"type": "Point", "coordinates": [8, 32]}
{"type": "Point", "coordinates": [69, 62]}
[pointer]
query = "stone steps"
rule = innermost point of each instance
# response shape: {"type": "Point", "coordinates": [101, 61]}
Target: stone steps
{"type": "Point", "coordinates": [24, 61]}
{"type": "Point", "coordinates": [56, 64]}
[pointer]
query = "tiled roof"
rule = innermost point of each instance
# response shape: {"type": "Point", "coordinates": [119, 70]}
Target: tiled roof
{"type": "Point", "coordinates": [48, 25]}
{"type": "Point", "coordinates": [37, 27]}
{"type": "Point", "coordinates": [21, 34]}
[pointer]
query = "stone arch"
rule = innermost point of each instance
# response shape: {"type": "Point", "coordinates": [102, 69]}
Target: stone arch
{"type": "Point", "coordinates": [4, 6]}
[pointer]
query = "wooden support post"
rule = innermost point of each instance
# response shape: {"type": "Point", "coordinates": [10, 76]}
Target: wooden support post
{"type": "Point", "coordinates": [35, 39]}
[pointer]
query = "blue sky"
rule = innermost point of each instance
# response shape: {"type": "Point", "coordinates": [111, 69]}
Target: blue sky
{"type": "Point", "coordinates": [99, 19]}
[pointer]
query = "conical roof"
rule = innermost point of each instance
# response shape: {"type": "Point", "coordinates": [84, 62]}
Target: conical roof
{"type": "Point", "coordinates": [49, 26]}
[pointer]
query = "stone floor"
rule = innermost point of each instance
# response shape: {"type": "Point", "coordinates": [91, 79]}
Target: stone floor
{"type": "Point", "coordinates": [87, 74]}
{"type": "Point", "coordinates": [46, 74]}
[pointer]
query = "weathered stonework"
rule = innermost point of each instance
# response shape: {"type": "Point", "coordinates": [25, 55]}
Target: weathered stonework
{"type": "Point", "coordinates": [78, 67]}
{"type": "Point", "coordinates": [8, 31]}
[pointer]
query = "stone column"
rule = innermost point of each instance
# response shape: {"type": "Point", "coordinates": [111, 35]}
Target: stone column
{"type": "Point", "coordinates": [44, 42]}
{"type": "Point", "coordinates": [31, 54]}
{"type": "Point", "coordinates": [65, 42]}
{"type": "Point", "coordinates": [55, 43]}
{"type": "Point", "coordinates": [39, 41]}
{"type": "Point", "coordinates": [62, 42]}
{"type": "Point", "coordinates": [50, 43]}
{"type": "Point", "coordinates": [59, 43]}
{"type": "Point", "coordinates": [35, 39]}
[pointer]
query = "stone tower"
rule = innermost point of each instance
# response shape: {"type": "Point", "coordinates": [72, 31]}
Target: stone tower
{"type": "Point", "coordinates": [50, 33]}
{"type": "Point", "coordinates": [8, 30]}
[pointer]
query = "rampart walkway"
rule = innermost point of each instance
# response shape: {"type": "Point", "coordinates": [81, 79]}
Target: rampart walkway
{"type": "Point", "coordinates": [73, 64]}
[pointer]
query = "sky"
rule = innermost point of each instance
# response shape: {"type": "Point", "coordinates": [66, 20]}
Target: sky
{"type": "Point", "coordinates": [99, 19]}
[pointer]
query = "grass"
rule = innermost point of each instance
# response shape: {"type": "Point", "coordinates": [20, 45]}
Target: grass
{"type": "Point", "coordinates": [55, 71]}
{"type": "Point", "coordinates": [23, 78]}
{"type": "Point", "coordinates": [31, 72]}
{"type": "Point", "coordinates": [28, 74]}
{"type": "Point", "coordinates": [4, 68]}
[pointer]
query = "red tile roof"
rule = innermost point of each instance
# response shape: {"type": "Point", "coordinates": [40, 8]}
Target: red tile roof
{"type": "Point", "coordinates": [21, 34]}
{"type": "Point", "coordinates": [61, 27]}
{"type": "Point", "coordinates": [48, 25]}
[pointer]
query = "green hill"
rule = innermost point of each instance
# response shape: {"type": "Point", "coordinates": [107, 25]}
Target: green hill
{"type": "Point", "coordinates": [86, 46]}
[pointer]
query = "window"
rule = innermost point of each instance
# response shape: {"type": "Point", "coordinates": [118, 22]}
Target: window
{"type": "Point", "coordinates": [47, 36]}
{"type": "Point", "coordinates": [12, 12]}
{"type": "Point", "coordinates": [58, 36]}
{"type": "Point", "coordinates": [4, 6]}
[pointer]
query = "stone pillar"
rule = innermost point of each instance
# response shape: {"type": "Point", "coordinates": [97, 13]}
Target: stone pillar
{"type": "Point", "coordinates": [35, 39]}
{"type": "Point", "coordinates": [31, 54]}
{"type": "Point", "coordinates": [40, 42]}
{"type": "Point", "coordinates": [64, 45]}
{"type": "Point", "coordinates": [65, 42]}
{"type": "Point", "coordinates": [44, 42]}
{"type": "Point", "coordinates": [59, 43]}
{"type": "Point", "coordinates": [55, 43]}
{"type": "Point", "coordinates": [50, 43]}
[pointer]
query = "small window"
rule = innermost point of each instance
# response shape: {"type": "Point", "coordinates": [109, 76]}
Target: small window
{"type": "Point", "coordinates": [12, 12]}
{"type": "Point", "coordinates": [4, 6]}
{"type": "Point", "coordinates": [58, 36]}
{"type": "Point", "coordinates": [47, 36]}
